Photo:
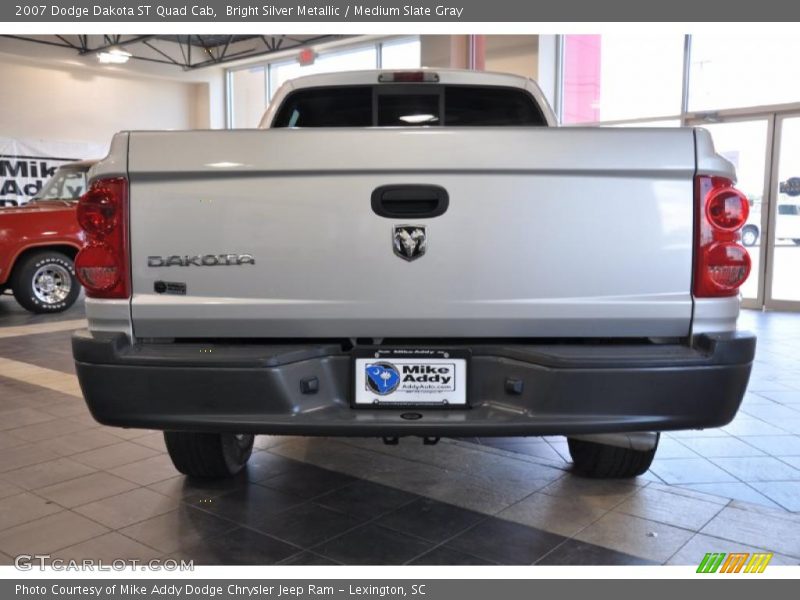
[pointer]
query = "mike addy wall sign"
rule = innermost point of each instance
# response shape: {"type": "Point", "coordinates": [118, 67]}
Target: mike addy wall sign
{"type": "Point", "coordinates": [25, 166]}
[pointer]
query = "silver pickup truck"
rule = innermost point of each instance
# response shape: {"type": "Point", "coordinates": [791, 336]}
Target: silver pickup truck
{"type": "Point", "coordinates": [414, 253]}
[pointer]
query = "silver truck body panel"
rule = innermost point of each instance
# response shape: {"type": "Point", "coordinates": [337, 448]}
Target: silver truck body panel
{"type": "Point", "coordinates": [550, 232]}
{"type": "Point", "coordinates": [115, 164]}
{"type": "Point", "coordinates": [708, 161]}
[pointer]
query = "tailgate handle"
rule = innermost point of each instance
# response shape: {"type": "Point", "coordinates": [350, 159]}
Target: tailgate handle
{"type": "Point", "coordinates": [410, 201]}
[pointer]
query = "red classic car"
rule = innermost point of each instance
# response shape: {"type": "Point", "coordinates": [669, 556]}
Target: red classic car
{"type": "Point", "coordinates": [39, 241]}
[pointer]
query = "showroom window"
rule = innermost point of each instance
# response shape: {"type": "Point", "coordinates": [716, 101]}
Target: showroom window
{"type": "Point", "coordinates": [250, 88]}
{"type": "Point", "coordinates": [743, 71]}
{"type": "Point", "coordinates": [344, 60]}
{"type": "Point", "coordinates": [621, 77]}
{"type": "Point", "coordinates": [657, 80]}
{"type": "Point", "coordinates": [401, 54]}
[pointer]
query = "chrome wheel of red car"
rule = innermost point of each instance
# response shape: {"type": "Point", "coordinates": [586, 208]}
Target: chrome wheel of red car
{"type": "Point", "coordinates": [45, 281]}
{"type": "Point", "coordinates": [52, 283]}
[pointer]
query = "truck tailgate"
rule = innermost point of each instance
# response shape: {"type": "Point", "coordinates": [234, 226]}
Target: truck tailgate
{"type": "Point", "coordinates": [548, 233]}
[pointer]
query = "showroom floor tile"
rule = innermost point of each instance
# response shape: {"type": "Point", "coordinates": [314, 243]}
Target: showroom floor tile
{"type": "Point", "coordinates": [778, 533]}
{"type": "Point", "coordinates": [75, 489]}
{"type": "Point", "coordinates": [563, 515]}
{"type": "Point", "coordinates": [48, 534]}
{"type": "Point", "coordinates": [109, 547]}
{"type": "Point", "coordinates": [576, 552]}
{"type": "Point", "coordinates": [636, 536]}
{"type": "Point", "coordinates": [309, 524]}
{"type": "Point", "coordinates": [372, 544]}
{"type": "Point", "coordinates": [670, 508]}
{"type": "Point", "coordinates": [82, 490]}
{"type": "Point", "coordinates": [504, 542]}
{"type": "Point", "coordinates": [239, 546]}
{"type": "Point", "coordinates": [430, 520]}
{"type": "Point", "coordinates": [180, 528]}
{"type": "Point", "coordinates": [442, 555]}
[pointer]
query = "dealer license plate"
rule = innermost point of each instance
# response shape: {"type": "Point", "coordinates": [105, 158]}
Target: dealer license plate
{"type": "Point", "coordinates": [410, 377]}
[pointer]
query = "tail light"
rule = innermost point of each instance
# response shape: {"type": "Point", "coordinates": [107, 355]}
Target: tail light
{"type": "Point", "coordinates": [102, 264]}
{"type": "Point", "coordinates": [721, 263]}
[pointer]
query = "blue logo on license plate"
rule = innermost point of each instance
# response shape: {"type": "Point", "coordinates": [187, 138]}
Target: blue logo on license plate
{"type": "Point", "coordinates": [382, 378]}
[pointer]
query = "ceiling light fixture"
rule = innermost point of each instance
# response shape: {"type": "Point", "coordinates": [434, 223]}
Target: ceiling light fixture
{"type": "Point", "coordinates": [114, 56]}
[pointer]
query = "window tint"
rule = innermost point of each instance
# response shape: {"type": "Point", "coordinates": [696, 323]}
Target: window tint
{"type": "Point", "coordinates": [481, 106]}
{"type": "Point", "coordinates": [327, 107]}
{"type": "Point", "coordinates": [409, 105]}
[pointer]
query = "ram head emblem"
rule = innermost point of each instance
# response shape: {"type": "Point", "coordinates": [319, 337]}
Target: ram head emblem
{"type": "Point", "coordinates": [410, 241]}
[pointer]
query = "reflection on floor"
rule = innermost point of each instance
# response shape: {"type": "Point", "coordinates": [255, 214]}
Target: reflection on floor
{"type": "Point", "coordinates": [74, 489]}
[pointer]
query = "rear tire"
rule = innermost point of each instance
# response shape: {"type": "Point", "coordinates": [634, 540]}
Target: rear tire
{"type": "Point", "coordinates": [208, 455]}
{"type": "Point", "coordinates": [45, 282]}
{"type": "Point", "coordinates": [600, 461]}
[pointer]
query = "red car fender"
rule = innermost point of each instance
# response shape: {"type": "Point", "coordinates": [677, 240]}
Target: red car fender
{"type": "Point", "coordinates": [38, 225]}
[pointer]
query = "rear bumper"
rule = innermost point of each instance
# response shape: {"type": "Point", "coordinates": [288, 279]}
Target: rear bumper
{"type": "Point", "coordinates": [567, 389]}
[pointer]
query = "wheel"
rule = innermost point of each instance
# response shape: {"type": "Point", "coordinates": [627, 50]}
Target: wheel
{"type": "Point", "coordinates": [208, 455]}
{"type": "Point", "coordinates": [796, 241]}
{"type": "Point", "coordinates": [45, 282]}
{"type": "Point", "coordinates": [750, 235]}
{"type": "Point", "coordinates": [601, 461]}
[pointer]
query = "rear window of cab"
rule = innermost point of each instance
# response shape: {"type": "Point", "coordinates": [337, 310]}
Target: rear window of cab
{"type": "Point", "coordinates": [409, 105]}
